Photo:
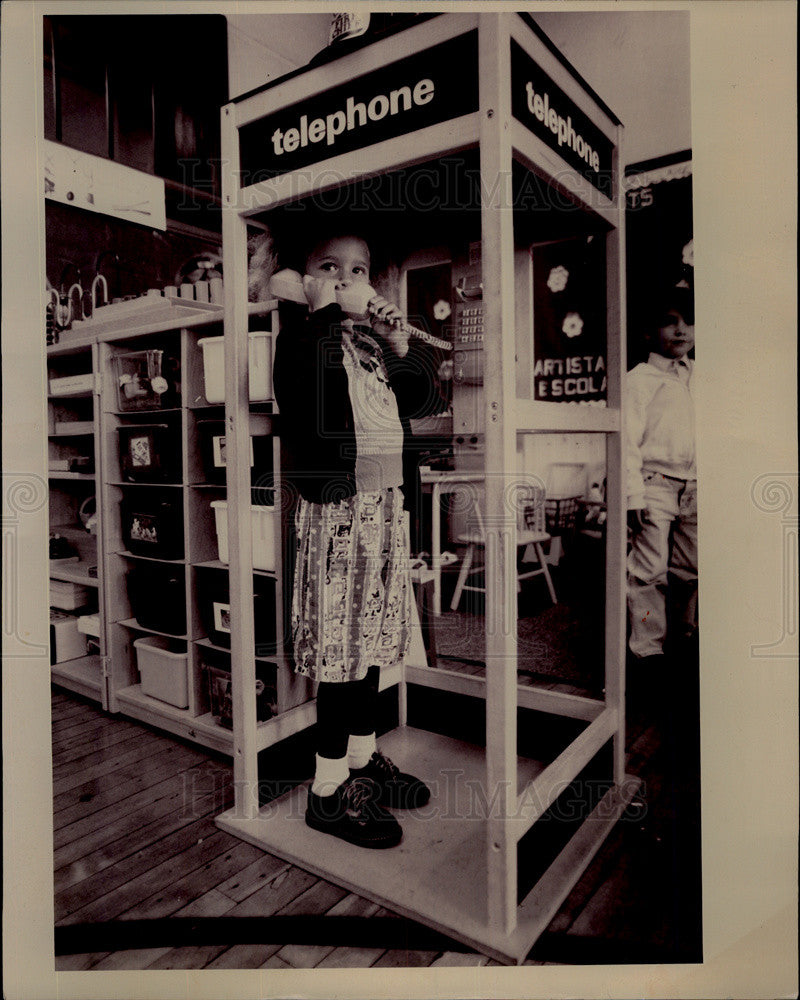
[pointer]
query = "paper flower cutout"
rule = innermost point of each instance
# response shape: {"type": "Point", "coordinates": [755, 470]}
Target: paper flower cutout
{"type": "Point", "coordinates": [572, 325]}
{"type": "Point", "coordinates": [687, 257]}
{"type": "Point", "coordinates": [557, 279]}
{"type": "Point", "coordinates": [441, 310]}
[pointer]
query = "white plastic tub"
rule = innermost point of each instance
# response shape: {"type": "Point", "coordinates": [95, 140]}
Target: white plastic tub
{"type": "Point", "coordinates": [66, 642]}
{"type": "Point", "coordinates": [72, 385]}
{"type": "Point", "coordinates": [263, 534]}
{"type": "Point", "coordinates": [89, 625]}
{"type": "Point", "coordinates": [164, 672]}
{"type": "Point", "coordinates": [260, 372]}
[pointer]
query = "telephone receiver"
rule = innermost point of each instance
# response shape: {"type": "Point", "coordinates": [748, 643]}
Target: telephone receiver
{"type": "Point", "coordinates": [354, 300]}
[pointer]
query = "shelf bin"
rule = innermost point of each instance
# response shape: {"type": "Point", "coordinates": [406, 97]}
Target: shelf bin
{"type": "Point", "coordinates": [221, 701]}
{"type": "Point", "coordinates": [260, 372]}
{"type": "Point", "coordinates": [263, 534]}
{"type": "Point", "coordinates": [152, 525]}
{"type": "Point", "coordinates": [147, 380]}
{"type": "Point", "coordinates": [561, 514]}
{"type": "Point", "coordinates": [72, 385]}
{"type": "Point", "coordinates": [163, 667]}
{"type": "Point", "coordinates": [66, 641]}
{"type": "Point", "coordinates": [158, 597]}
{"type": "Point", "coordinates": [213, 594]}
{"type": "Point", "coordinates": [212, 448]}
{"type": "Point", "coordinates": [149, 453]}
{"type": "Point", "coordinates": [67, 596]}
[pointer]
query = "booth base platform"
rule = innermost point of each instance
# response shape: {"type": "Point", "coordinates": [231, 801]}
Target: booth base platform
{"type": "Point", "coordinates": [437, 874]}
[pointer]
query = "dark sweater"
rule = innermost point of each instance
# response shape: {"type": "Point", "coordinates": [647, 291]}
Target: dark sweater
{"type": "Point", "coordinates": [311, 388]}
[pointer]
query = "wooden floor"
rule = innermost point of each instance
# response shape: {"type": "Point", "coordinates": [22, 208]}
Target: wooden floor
{"type": "Point", "coordinates": [144, 875]}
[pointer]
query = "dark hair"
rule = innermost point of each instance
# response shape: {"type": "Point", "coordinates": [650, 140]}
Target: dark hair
{"type": "Point", "coordinates": [296, 241]}
{"type": "Point", "coordinates": [674, 298]}
{"type": "Point", "coordinates": [290, 239]}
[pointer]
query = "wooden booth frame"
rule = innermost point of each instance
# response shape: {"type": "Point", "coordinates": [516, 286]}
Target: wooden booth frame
{"type": "Point", "coordinates": [454, 871]}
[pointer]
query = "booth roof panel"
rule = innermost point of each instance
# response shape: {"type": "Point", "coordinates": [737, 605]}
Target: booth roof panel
{"type": "Point", "coordinates": [315, 78]}
{"type": "Point", "coordinates": [357, 45]}
{"type": "Point", "coordinates": [550, 46]}
{"type": "Point", "coordinates": [354, 45]}
{"type": "Point", "coordinates": [548, 62]}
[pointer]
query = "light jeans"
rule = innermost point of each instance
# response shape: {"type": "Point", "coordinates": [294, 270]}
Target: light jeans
{"type": "Point", "coordinates": [667, 543]}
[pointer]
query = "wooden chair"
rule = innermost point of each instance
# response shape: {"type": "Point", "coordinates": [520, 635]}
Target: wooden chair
{"type": "Point", "coordinates": [530, 533]}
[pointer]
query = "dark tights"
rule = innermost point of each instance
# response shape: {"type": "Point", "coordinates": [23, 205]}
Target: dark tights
{"type": "Point", "coordinates": [345, 709]}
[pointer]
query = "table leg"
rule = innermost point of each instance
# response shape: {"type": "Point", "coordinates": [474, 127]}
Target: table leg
{"type": "Point", "coordinates": [436, 547]}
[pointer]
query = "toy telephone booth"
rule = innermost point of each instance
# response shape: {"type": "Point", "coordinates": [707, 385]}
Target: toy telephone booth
{"type": "Point", "coordinates": [490, 157]}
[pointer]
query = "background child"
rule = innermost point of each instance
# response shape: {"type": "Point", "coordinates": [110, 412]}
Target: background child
{"type": "Point", "coordinates": [346, 389]}
{"type": "Point", "coordinates": [661, 474]}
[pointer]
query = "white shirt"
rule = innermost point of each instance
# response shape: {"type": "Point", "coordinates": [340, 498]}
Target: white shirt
{"type": "Point", "coordinates": [659, 423]}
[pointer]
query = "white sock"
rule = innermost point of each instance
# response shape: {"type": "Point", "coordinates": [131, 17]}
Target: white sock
{"type": "Point", "coordinates": [329, 774]}
{"type": "Point", "coordinates": [360, 749]}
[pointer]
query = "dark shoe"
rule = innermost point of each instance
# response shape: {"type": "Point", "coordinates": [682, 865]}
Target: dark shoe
{"type": "Point", "coordinates": [352, 813]}
{"type": "Point", "coordinates": [396, 790]}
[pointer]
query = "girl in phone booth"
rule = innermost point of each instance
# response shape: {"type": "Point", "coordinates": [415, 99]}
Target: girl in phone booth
{"type": "Point", "coordinates": [346, 388]}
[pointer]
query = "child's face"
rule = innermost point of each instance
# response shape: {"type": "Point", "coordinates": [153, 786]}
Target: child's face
{"type": "Point", "coordinates": [675, 337]}
{"type": "Point", "coordinates": [343, 259]}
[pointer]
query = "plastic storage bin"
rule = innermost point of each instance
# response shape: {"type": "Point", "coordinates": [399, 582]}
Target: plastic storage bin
{"type": "Point", "coordinates": [263, 528]}
{"type": "Point", "coordinates": [260, 372]}
{"type": "Point", "coordinates": [158, 597]}
{"type": "Point", "coordinates": [72, 385]}
{"type": "Point", "coordinates": [212, 449]}
{"type": "Point", "coordinates": [66, 641]}
{"type": "Point", "coordinates": [149, 453]}
{"type": "Point", "coordinates": [67, 596]}
{"type": "Point", "coordinates": [561, 514]}
{"type": "Point", "coordinates": [214, 601]}
{"type": "Point", "coordinates": [220, 696]}
{"type": "Point", "coordinates": [163, 669]}
{"type": "Point", "coordinates": [147, 380]}
{"type": "Point", "coordinates": [89, 627]}
{"type": "Point", "coordinates": [152, 525]}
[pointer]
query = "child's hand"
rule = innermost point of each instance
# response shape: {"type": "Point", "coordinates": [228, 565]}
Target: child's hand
{"type": "Point", "coordinates": [320, 292]}
{"type": "Point", "coordinates": [385, 318]}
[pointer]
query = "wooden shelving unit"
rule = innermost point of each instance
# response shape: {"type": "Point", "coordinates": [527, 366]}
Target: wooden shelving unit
{"type": "Point", "coordinates": [112, 677]}
{"type": "Point", "coordinates": [85, 675]}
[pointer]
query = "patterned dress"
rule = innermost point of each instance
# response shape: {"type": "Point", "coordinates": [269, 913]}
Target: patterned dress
{"type": "Point", "coordinates": [351, 600]}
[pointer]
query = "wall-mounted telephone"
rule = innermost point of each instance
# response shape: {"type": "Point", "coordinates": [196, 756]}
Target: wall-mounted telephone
{"type": "Point", "coordinates": [354, 299]}
{"type": "Point", "coordinates": [468, 334]}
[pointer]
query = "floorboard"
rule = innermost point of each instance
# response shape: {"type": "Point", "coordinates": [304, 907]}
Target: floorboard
{"type": "Point", "coordinates": [244, 956]}
{"type": "Point", "coordinates": [173, 801]}
{"type": "Point", "coordinates": [252, 878]}
{"type": "Point", "coordinates": [224, 856]}
{"type": "Point", "coordinates": [135, 838]}
{"type": "Point", "coordinates": [91, 796]}
{"type": "Point", "coordinates": [102, 762]}
{"type": "Point", "coordinates": [159, 878]}
{"type": "Point", "coordinates": [92, 864]}
{"type": "Point", "coordinates": [136, 803]}
{"type": "Point", "coordinates": [132, 959]}
{"type": "Point", "coordinates": [115, 879]}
